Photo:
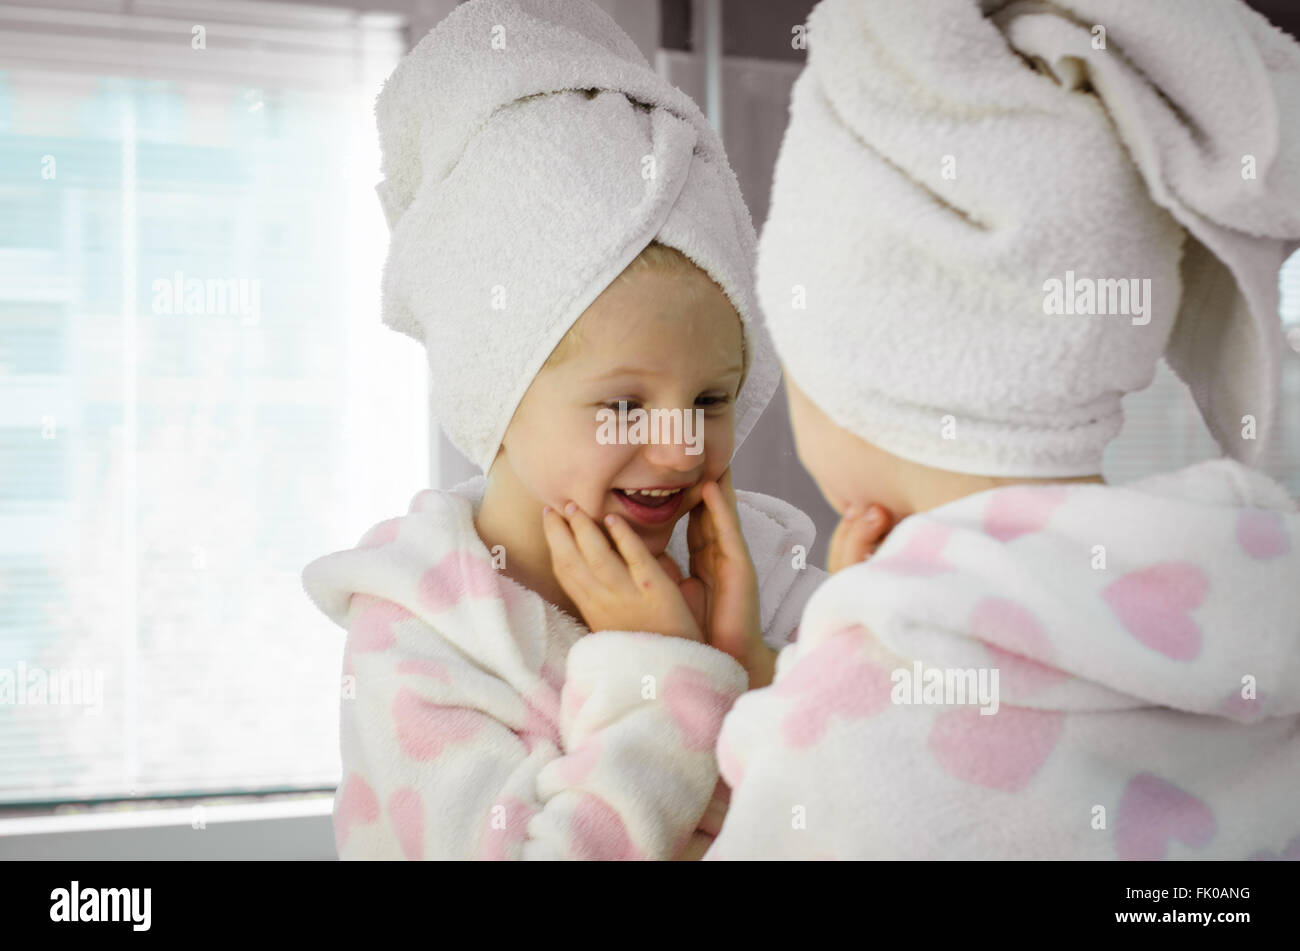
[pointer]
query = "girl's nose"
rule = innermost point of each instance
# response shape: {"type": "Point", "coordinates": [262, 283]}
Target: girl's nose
{"type": "Point", "coordinates": [678, 454]}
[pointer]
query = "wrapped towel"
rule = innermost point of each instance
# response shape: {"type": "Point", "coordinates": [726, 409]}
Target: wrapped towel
{"type": "Point", "coordinates": [943, 177]}
{"type": "Point", "coordinates": [530, 153]}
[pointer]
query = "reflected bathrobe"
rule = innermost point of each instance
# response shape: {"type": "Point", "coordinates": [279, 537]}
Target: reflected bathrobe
{"type": "Point", "coordinates": [1147, 644]}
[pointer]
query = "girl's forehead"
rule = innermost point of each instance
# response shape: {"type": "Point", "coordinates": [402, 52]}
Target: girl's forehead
{"type": "Point", "coordinates": [657, 322]}
{"type": "Point", "coordinates": [662, 318]}
{"type": "Point", "coordinates": [658, 344]}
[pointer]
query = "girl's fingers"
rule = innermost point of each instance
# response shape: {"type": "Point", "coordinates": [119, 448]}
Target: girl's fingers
{"type": "Point", "coordinates": [640, 563]}
{"type": "Point", "coordinates": [571, 569]}
{"type": "Point", "coordinates": [838, 555]}
{"type": "Point", "coordinates": [859, 542]}
{"type": "Point", "coordinates": [699, 534]}
{"type": "Point", "coordinates": [694, 526]}
{"type": "Point", "coordinates": [731, 506]}
{"type": "Point", "coordinates": [876, 524]}
{"type": "Point", "coordinates": [725, 523]}
{"type": "Point", "coordinates": [857, 536]}
{"type": "Point", "coordinates": [607, 568]}
{"type": "Point", "coordinates": [699, 529]}
{"type": "Point", "coordinates": [840, 537]}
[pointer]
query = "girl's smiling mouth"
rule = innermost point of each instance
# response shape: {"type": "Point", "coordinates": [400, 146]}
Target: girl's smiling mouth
{"type": "Point", "coordinates": [652, 505]}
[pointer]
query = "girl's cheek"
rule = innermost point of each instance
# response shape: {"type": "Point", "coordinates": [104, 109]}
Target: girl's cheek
{"type": "Point", "coordinates": [719, 443]}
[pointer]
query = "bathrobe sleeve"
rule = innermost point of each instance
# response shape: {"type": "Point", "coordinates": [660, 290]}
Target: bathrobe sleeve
{"type": "Point", "coordinates": [445, 757]}
{"type": "Point", "coordinates": [779, 537]}
{"type": "Point", "coordinates": [783, 627]}
{"type": "Point", "coordinates": [790, 751]}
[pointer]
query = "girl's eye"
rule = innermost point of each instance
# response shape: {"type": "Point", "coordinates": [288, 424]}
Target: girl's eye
{"type": "Point", "coordinates": [703, 400]}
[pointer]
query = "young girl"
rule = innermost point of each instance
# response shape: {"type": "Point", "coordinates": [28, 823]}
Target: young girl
{"type": "Point", "coordinates": [1034, 664]}
{"type": "Point", "coordinates": [530, 673]}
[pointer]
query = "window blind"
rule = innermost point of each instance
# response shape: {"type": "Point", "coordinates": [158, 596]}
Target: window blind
{"type": "Point", "coordinates": [196, 395]}
{"type": "Point", "coordinates": [1163, 429]}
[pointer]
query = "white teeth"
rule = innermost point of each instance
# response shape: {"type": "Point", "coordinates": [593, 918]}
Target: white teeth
{"type": "Point", "coordinates": [653, 493]}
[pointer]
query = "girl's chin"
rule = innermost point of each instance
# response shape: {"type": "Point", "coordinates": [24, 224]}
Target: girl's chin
{"type": "Point", "coordinates": [655, 536]}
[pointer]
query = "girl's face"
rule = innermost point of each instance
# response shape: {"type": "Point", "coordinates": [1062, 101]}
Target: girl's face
{"type": "Point", "coordinates": [847, 469]}
{"type": "Point", "coordinates": [667, 340]}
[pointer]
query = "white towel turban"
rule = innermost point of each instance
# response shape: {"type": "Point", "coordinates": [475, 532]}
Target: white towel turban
{"type": "Point", "coordinates": [941, 168]}
{"type": "Point", "coordinates": [509, 214]}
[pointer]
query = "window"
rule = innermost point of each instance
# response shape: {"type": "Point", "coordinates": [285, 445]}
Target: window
{"type": "Point", "coordinates": [193, 385]}
{"type": "Point", "coordinates": [1163, 429]}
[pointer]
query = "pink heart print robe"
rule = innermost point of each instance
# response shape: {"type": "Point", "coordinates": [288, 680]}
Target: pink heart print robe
{"type": "Point", "coordinates": [479, 721]}
{"type": "Point", "coordinates": [1146, 640]}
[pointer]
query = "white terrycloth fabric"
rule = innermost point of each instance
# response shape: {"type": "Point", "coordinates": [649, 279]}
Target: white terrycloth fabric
{"type": "Point", "coordinates": [509, 214]}
{"type": "Point", "coordinates": [1147, 643]}
{"type": "Point", "coordinates": [940, 169]}
{"type": "Point", "coordinates": [481, 721]}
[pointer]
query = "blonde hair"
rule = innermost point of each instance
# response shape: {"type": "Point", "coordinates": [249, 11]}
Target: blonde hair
{"type": "Point", "coordinates": [656, 257]}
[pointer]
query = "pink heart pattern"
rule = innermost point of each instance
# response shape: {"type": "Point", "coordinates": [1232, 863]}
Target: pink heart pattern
{"type": "Point", "coordinates": [1156, 603]}
{"type": "Point", "coordinates": [422, 667]}
{"type": "Point", "coordinates": [458, 575]}
{"type": "Point", "coordinates": [1003, 751]}
{"type": "Point", "coordinates": [357, 806]}
{"type": "Point", "coordinates": [515, 596]}
{"type": "Point", "coordinates": [922, 554]}
{"type": "Point", "coordinates": [373, 628]}
{"type": "Point", "coordinates": [497, 843]}
{"type": "Point", "coordinates": [1241, 709]}
{"type": "Point", "coordinates": [1021, 510]}
{"type": "Point", "coordinates": [598, 833]}
{"type": "Point", "coordinates": [830, 681]}
{"type": "Point", "coordinates": [1022, 639]}
{"type": "Point", "coordinates": [407, 816]}
{"type": "Point", "coordinates": [1262, 534]}
{"type": "Point", "coordinates": [696, 708]}
{"type": "Point", "coordinates": [425, 730]}
{"type": "Point", "coordinates": [575, 767]}
{"type": "Point", "coordinates": [573, 700]}
{"type": "Point", "coordinates": [1152, 812]}
{"type": "Point", "coordinates": [541, 715]}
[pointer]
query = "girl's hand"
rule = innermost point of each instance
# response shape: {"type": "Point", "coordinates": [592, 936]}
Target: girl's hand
{"type": "Point", "coordinates": [627, 593]}
{"type": "Point", "coordinates": [720, 560]}
{"type": "Point", "coordinates": [692, 589]}
{"type": "Point", "coordinates": [858, 535]}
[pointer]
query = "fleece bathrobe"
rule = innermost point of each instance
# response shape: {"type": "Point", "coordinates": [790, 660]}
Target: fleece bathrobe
{"type": "Point", "coordinates": [479, 721]}
{"type": "Point", "coordinates": [1146, 639]}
